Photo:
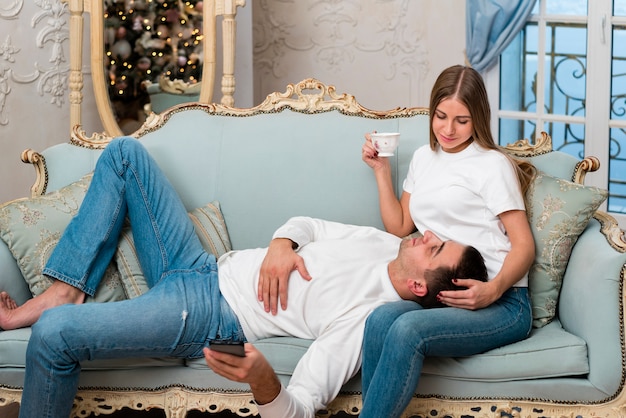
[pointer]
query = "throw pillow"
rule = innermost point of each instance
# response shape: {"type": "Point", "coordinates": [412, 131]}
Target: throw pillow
{"type": "Point", "coordinates": [558, 212]}
{"type": "Point", "coordinates": [32, 227]}
{"type": "Point", "coordinates": [210, 228]}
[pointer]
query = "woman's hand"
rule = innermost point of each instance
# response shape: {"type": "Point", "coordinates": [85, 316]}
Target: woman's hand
{"type": "Point", "coordinates": [279, 262]}
{"type": "Point", "coordinates": [477, 295]}
{"type": "Point", "coordinates": [370, 155]}
{"type": "Point", "coordinates": [516, 264]}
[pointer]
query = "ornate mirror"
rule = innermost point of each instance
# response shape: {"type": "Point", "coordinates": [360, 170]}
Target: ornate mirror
{"type": "Point", "coordinates": [147, 55]}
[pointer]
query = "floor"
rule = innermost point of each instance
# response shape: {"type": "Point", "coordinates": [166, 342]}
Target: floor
{"type": "Point", "coordinates": [11, 411]}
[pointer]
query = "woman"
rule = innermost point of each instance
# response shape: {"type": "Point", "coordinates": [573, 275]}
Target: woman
{"type": "Point", "coordinates": [461, 187]}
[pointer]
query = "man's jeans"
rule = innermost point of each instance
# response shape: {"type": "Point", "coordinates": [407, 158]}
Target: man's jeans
{"type": "Point", "coordinates": [181, 313]}
{"type": "Point", "coordinates": [399, 335]}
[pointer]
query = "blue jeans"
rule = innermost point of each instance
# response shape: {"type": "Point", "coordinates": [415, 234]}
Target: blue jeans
{"type": "Point", "coordinates": [177, 317]}
{"type": "Point", "coordinates": [398, 336]}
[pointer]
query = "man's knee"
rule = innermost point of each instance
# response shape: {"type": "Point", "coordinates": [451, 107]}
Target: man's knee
{"type": "Point", "coordinates": [125, 145]}
{"type": "Point", "coordinates": [47, 330]}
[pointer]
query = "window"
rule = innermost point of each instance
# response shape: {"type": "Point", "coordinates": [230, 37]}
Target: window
{"type": "Point", "coordinates": [565, 74]}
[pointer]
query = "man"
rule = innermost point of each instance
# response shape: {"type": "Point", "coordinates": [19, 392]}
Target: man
{"type": "Point", "coordinates": [347, 272]}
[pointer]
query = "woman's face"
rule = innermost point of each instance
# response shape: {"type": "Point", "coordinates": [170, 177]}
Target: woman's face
{"type": "Point", "coordinates": [452, 125]}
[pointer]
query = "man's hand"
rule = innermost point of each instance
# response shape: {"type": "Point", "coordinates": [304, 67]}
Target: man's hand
{"type": "Point", "coordinates": [478, 294]}
{"type": "Point", "coordinates": [279, 262]}
{"type": "Point", "coordinates": [253, 369]}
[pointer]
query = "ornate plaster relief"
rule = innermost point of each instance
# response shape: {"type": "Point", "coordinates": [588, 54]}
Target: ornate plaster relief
{"type": "Point", "coordinates": [51, 78]}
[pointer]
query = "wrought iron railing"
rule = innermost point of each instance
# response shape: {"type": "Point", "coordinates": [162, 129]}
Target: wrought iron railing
{"type": "Point", "coordinates": [565, 94]}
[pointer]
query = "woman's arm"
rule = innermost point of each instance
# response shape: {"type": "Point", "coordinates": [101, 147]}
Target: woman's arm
{"type": "Point", "coordinates": [394, 213]}
{"type": "Point", "coordinates": [516, 264]}
{"type": "Point", "coordinates": [520, 258]}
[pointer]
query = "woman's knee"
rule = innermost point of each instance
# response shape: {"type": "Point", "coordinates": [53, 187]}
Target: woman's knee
{"type": "Point", "coordinates": [381, 319]}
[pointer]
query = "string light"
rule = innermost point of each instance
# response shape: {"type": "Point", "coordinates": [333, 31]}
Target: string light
{"type": "Point", "coordinates": [148, 39]}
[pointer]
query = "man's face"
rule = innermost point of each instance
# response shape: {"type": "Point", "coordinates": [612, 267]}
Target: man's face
{"type": "Point", "coordinates": [428, 253]}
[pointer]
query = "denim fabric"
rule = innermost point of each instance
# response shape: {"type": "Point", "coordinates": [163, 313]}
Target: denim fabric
{"type": "Point", "coordinates": [398, 336]}
{"type": "Point", "coordinates": [178, 316]}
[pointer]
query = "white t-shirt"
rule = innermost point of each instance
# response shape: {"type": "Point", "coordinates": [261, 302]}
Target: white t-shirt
{"type": "Point", "coordinates": [459, 196]}
{"type": "Point", "coordinates": [350, 278]}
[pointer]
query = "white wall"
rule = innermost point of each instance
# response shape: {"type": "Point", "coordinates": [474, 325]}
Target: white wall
{"type": "Point", "coordinates": [34, 110]}
{"type": "Point", "coordinates": [386, 53]}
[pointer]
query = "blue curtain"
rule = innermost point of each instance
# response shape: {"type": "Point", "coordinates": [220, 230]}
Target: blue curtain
{"type": "Point", "coordinates": [491, 26]}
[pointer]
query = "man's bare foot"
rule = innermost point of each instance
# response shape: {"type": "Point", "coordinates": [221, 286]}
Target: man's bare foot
{"type": "Point", "coordinates": [13, 316]}
{"type": "Point", "coordinates": [6, 301]}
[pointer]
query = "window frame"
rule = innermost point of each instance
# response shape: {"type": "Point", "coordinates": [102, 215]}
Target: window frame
{"type": "Point", "coordinates": [600, 22]}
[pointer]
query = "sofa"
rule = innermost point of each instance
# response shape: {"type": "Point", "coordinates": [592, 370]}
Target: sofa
{"type": "Point", "coordinates": [242, 172]}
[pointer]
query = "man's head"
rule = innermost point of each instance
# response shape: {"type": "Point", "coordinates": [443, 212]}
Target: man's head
{"type": "Point", "coordinates": [427, 265]}
{"type": "Point", "coordinates": [471, 266]}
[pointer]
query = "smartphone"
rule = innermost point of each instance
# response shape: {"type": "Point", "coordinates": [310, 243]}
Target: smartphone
{"type": "Point", "coordinates": [232, 347]}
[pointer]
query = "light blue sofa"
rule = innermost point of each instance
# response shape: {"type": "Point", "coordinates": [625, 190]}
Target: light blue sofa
{"type": "Point", "coordinates": [298, 153]}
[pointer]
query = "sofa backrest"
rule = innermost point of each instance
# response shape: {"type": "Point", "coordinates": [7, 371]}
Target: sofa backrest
{"type": "Point", "coordinates": [266, 168]}
{"type": "Point", "coordinates": [295, 154]}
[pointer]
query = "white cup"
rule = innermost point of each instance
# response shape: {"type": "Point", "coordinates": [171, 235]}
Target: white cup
{"type": "Point", "coordinates": [385, 142]}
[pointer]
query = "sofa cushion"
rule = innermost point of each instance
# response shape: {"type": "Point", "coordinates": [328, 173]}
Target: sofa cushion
{"type": "Point", "coordinates": [209, 226]}
{"type": "Point", "coordinates": [283, 353]}
{"type": "Point", "coordinates": [13, 354]}
{"type": "Point", "coordinates": [558, 212]}
{"type": "Point", "coordinates": [32, 227]}
{"type": "Point", "coordinates": [549, 352]}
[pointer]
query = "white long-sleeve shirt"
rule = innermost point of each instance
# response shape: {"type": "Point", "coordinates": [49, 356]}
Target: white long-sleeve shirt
{"type": "Point", "coordinates": [348, 265]}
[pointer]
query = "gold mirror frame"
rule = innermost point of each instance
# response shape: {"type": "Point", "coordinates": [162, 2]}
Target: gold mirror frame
{"type": "Point", "coordinates": [95, 8]}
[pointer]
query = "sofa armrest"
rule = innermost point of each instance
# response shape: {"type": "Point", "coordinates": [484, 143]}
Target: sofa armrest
{"type": "Point", "coordinates": [11, 279]}
{"type": "Point", "coordinates": [590, 304]}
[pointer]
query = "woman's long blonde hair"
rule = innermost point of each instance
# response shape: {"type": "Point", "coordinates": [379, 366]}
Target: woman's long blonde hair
{"type": "Point", "coordinates": [466, 85]}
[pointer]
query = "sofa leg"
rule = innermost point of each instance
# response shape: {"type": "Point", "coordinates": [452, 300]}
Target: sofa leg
{"type": "Point", "coordinates": [10, 410]}
{"type": "Point", "coordinates": [175, 405]}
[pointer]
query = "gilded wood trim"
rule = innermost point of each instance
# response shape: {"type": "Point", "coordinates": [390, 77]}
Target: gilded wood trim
{"type": "Point", "coordinates": [312, 96]}
{"type": "Point", "coordinates": [100, 84]}
{"type": "Point", "coordinates": [76, 71]}
{"type": "Point", "coordinates": [586, 165]}
{"type": "Point", "coordinates": [610, 228]}
{"type": "Point", "coordinates": [307, 96]}
{"type": "Point", "coordinates": [176, 401]}
{"type": "Point", "coordinates": [492, 408]}
{"type": "Point", "coordinates": [96, 140]}
{"type": "Point", "coordinates": [543, 145]}
{"type": "Point", "coordinates": [39, 162]}
{"type": "Point", "coordinates": [9, 396]}
{"type": "Point", "coordinates": [523, 147]}
{"type": "Point", "coordinates": [95, 9]}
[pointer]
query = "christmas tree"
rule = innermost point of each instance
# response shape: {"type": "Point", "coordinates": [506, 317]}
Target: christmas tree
{"type": "Point", "coordinates": [148, 39]}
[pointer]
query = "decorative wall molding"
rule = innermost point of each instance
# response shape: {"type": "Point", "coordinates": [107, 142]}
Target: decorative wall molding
{"type": "Point", "coordinates": [335, 31]}
{"type": "Point", "coordinates": [52, 35]}
{"type": "Point", "coordinates": [338, 36]}
{"type": "Point", "coordinates": [11, 10]}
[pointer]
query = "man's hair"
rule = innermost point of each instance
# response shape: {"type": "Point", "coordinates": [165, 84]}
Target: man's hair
{"type": "Point", "coordinates": [471, 266]}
